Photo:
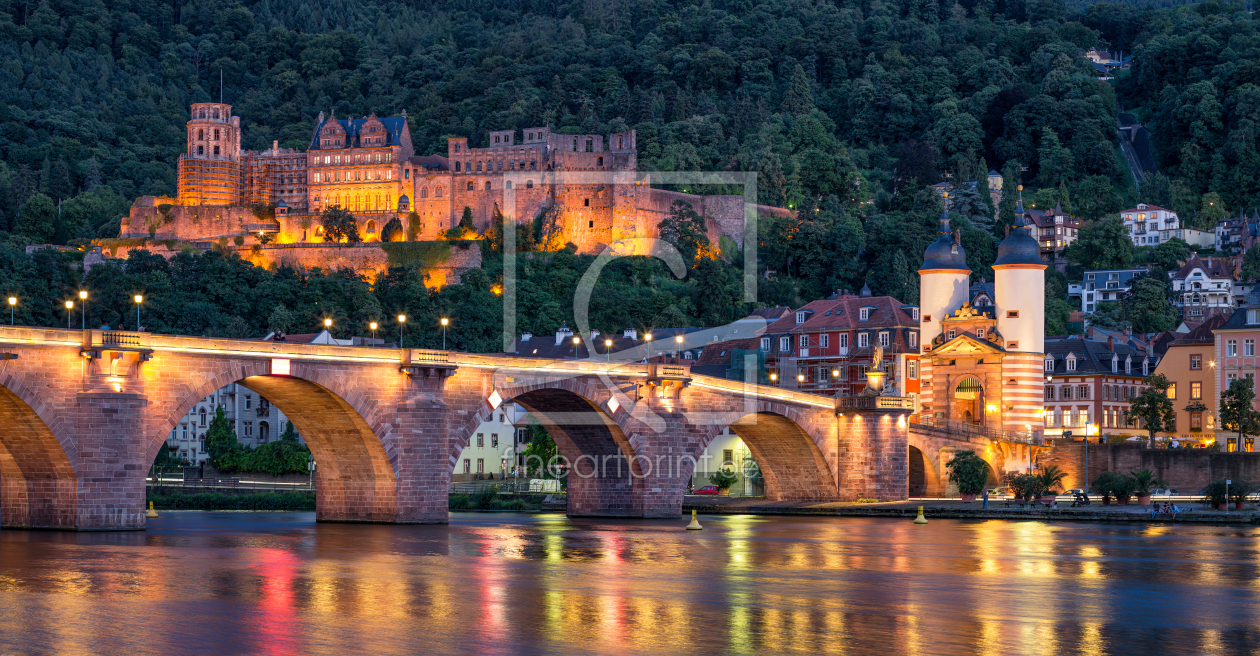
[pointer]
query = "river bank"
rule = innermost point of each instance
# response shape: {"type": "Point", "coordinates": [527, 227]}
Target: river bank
{"type": "Point", "coordinates": [1192, 513]}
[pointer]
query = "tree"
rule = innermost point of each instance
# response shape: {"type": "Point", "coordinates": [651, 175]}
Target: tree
{"type": "Point", "coordinates": [541, 454]}
{"type": "Point", "coordinates": [37, 218]}
{"type": "Point", "coordinates": [1146, 306]}
{"type": "Point", "coordinates": [685, 229]}
{"type": "Point", "coordinates": [413, 226]}
{"type": "Point", "coordinates": [1170, 254]}
{"type": "Point", "coordinates": [339, 225]}
{"type": "Point", "coordinates": [393, 230]}
{"type": "Point", "coordinates": [968, 471]}
{"type": "Point", "coordinates": [1096, 197]}
{"type": "Point", "coordinates": [1236, 408]}
{"type": "Point", "coordinates": [221, 443]}
{"type": "Point", "coordinates": [1101, 245]}
{"type": "Point", "coordinates": [465, 228]}
{"type": "Point", "coordinates": [1211, 211]}
{"type": "Point", "coordinates": [798, 100]}
{"type": "Point", "coordinates": [281, 320]}
{"type": "Point", "coordinates": [1251, 265]}
{"type": "Point", "coordinates": [1152, 407]}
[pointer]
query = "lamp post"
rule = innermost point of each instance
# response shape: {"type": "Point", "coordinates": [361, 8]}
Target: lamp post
{"type": "Point", "coordinates": [328, 324]}
{"type": "Point", "coordinates": [678, 340]}
{"type": "Point", "coordinates": [373, 327]}
{"type": "Point", "coordinates": [607, 350]}
{"type": "Point", "coordinates": [402, 321]}
{"type": "Point", "coordinates": [69, 312]}
{"type": "Point", "coordinates": [139, 300]}
{"type": "Point", "coordinates": [83, 309]}
{"type": "Point", "coordinates": [12, 304]}
{"type": "Point", "coordinates": [445, 323]}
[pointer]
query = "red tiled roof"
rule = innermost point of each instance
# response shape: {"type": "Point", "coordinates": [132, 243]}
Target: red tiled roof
{"type": "Point", "coordinates": [843, 313]}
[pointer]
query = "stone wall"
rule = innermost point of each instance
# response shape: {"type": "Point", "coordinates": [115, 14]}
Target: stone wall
{"type": "Point", "coordinates": [1186, 470]}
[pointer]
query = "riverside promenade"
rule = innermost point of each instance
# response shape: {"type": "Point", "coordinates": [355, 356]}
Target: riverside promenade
{"type": "Point", "coordinates": [1193, 512]}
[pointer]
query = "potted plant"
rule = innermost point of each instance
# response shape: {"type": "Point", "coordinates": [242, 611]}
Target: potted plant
{"type": "Point", "coordinates": [1101, 485]}
{"type": "Point", "coordinates": [1214, 494]}
{"type": "Point", "coordinates": [1018, 483]}
{"type": "Point", "coordinates": [723, 480]}
{"type": "Point", "coordinates": [1238, 491]}
{"type": "Point", "coordinates": [1122, 485]}
{"type": "Point", "coordinates": [1143, 481]}
{"type": "Point", "coordinates": [969, 472]}
{"type": "Point", "coordinates": [1050, 478]}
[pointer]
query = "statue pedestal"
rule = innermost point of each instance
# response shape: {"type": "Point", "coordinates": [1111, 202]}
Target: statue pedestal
{"type": "Point", "coordinates": [874, 383]}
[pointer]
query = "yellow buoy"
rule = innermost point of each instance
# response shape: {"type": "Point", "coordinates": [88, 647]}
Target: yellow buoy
{"type": "Point", "coordinates": [152, 512]}
{"type": "Point", "coordinates": [920, 519]}
{"type": "Point", "coordinates": [694, 525]}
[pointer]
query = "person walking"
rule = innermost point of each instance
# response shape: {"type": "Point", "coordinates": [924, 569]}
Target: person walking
{"type": "Point", "coordinates": [986, 499]}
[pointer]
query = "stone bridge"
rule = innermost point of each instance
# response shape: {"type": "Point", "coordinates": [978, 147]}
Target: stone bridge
{"type": "Point", "coordinates": [83, 414]}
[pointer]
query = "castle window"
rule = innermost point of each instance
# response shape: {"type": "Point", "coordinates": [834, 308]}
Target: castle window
{"type": "Point", "coordinates": [599, 161]}
{"type": "Point", "coordinates": [479, 165]}
{"type": "Point", "coordinates": [621, 143]}
{"type": "Point", "coordinates": [371, 226]}
{"type": "Point", "coordinates": [575, 144]}
{"type": "Point", "coordinates": [201, 135]}
{"type": "Point", "coordinates": [529, 184]}
{"type": "Point", "coordinates": [1012, 314]}
{"type": "Point", "coordinates": [586, 202]}
{"type": "Point", "coordinates": [950, 334]}
{"type": "Point", "coordinates": [202, 113]}
{"type": "Point", "coordinates": [590, 146]}
{"type": "Point", "coordinates": [424, 192]}
{"type": "Point", "coordinates": [406, 174]}
{"type": "Point", "coordinates": [496, 140]}
{"type": "Point", "coordinates": [201, 150]}
{"type": "Point", "coordinates": [216, 135]}
{"type": "Point", "coordinates": [388, 156]}
{"type": "Point", "coordinates": [389, 174]}
{"type": "Point", "coordinates": [590, 224]}
{"type": "Point", "coordinates": [216, 150]}
{"type": "Point", "coordinates": [522, 165]}
{"type": "Point", "coordinates": [533, 165]}
{"type": "Point", "coordinates": [468, 166]}
{"type": "Point", "coordinates": [487, 185]}
{"type": "Point", "coordinates": [457, 148]}
{"type": "Point", "coordinates": [470, 185]}
{"type": "Point", "coordinates": [457, 167]}
{"type": "Point", "coordinates": [216, 113]}
{"type": "Point", "coordinates": [437, 192]}
{"type": "Point", "coordinates": [507, 185]}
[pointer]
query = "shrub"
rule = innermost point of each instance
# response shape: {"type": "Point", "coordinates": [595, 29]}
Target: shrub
{"type": "Point", "coordinates": [239, 240]}
{"type": "Point", "coordinates": [968, 471]}
{"type": "Point", "coordinates": [723, 479]}
{"type": "Point", "coordinates": [221, 501]}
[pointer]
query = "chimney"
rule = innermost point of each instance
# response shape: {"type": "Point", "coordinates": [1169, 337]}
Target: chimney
{"type": "Point", "coordinates": [525, 337]}
{"type": "Point", "coordinates": [275, 147]}
{"type": "Point", "coordinates": [1128, 332]}
{"type": "Point", "coordinates": [1111, 343]}
{"type": "Point", "coordinates": [1089, 332]}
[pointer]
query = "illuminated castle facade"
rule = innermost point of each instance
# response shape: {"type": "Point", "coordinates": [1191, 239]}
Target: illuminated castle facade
{"type": "Point", "coordinates": [983, 365]}
{"type": "Point", "coordinates": [368, 166]}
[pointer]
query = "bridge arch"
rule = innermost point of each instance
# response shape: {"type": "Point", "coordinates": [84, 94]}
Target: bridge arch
{"type": "Point", "coordinates": [355, 476]}
{"type": "Point", "coordinates": [789, 447]}
{"type": "Point", "coordinates": [38, 482]}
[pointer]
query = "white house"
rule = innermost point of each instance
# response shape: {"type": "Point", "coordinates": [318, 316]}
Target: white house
{"type": "Point", "coordinates": [1204, 288]}
{"type": "Point", "coordinates": [494, 449]}
{"type": "Point", "coordinates": [254, 420]}
{"type": "Point", "coordinates": [1144, 223]}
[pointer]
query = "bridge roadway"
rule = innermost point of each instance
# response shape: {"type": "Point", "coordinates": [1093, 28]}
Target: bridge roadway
{"type": "Point", "coordinates": [83, 414]}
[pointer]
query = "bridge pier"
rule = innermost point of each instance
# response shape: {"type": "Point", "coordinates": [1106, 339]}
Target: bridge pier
{"type": "Point", "coordinates": [112, 462]}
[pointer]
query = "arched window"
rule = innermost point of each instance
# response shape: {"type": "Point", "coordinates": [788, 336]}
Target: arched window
{"type": "Point", "coordinates": [470, 185]}
{"type": "Point", "coordinates": [457, 167]}
{"type": "Point", "coordinates": [264, 431]}
{"type": "Point", "coordinates": [590, 145]}
{"type": "Point", "coordinates": [529, 184]}
{"type": "Point", "coordinates": [437, 192]}
{"type": "Point", "coordinates": [533, 165]}
{"type": "Point", "coordinates": [487, 185]}
{"type": "Point", "coordinates": [508, 185]}
{"type": "Point", "coordinates": [575, 144]}
{"type": "Point", "coordinates": [371, 227]}
{"type": "Point", "coordinates": [319, 231]}
{"type": "Point", "coordinates": [216, 112]}
{"type": "Point", "coordinates": [424, 192]}
{"type": "Point", "coordinates": [202, 113]}
{"type": "Point", "coordinates": [478, 165]}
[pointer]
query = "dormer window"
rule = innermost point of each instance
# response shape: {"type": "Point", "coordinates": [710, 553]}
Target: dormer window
{"type": "Point", "coordinates": [864, 314]}
{"type": "Point", "coordinates": [1128, 365]}
{"type": "Point", "coordinates": [980, 333]}
{"type": "Point", "coordinates": [765, 344]}
{"type": "Point", "coordinates": [1071, 362]}
{"type": "Point", "coordinates": [1115, 363]}
{"type": "Point", "coordinates": [1049, 363]}
{"type": "Point", "coordinates": [1253, 316]}
{"type": "Point", "coordinates": [800, 317]}
{"type": "Point", "coordinates": [914, 313]}
{"type": "Point", "coordinates": [785, 344]}
{"type": "Point", "coordinates": [1146, 365]}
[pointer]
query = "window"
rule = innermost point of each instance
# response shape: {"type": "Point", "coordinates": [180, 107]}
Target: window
{"type": "Point", "coordinates": [844, 340]}
{"type": "Point", "coordinates": [249, 429]}
{"type": "Point", "coordinates": [481, 465]}
{"type": "Point", "coordinates": [1128, 365]}
{"type": "Point", "coordinates": [529, 184]}
{"type": "Point", "coordinates": [1249, 347]}
{"type": "Point", "coordinates": [1071, 362]}
{"type": "Point", "coordinates": [950, 334]}
{"type": "Point", "coordinates": [203, 416]}
{"type": "Point", "coordinates": [1196, 421]}
{"type": "Point", "coordinates": [1049, 393]}
{"type": "Point", "coordinates": [494, 439]}
{"type": "Point", "coordinates": [884, 339]}
{"type": "Point", "coordinates": [1196, 361]}
{"type": "Point", "coordinates": [864, 340]}
{"type": "Point", "coordinates": [1012, 314]}
{"type": "Point", "coordinates": [913, 339]}
{"type": "Point", "coordinates": [927, 318]}
{"type": "Point", "coordinates": [864, 314]}
{"type": "Point", "coordinates": [1253, 316]}
{"type": "Point", "coordinates": [912, 369]}
{"type": "Point", "coordinates": [1050, 363]}
{"type": "Point", "coordinates": [249, 402]}
{"type": "Point", "coordinates": [803, 341]}
{"type": "Point", "coordinates": [470, 185]}
{"type": "Point", "coordinates": [785, 343]}
{"type": "Point", "coordinates": [487, 185]}
{"type": "Point", "coordinates": [1115, 364]}
{"type": "Point", "coordinates": [914, 313]}
{"type": "Point", "coordinates": [765, 344]}
{"type": "Point", "coordinates": [1082, 392]}
{"type": "Point", "coordinates": [1231, 347]}
{"type": "Point", "coordinates": [980, 333]}
{"type": "Point", "coordinates": [481, 439]}
{"type": "Point", "coordinates": [1066, 393]}
{"type": "Point", "coordinates": [824, 340]}
{"type": "Point", "coordinates": [1196, 390]}
{"type": "Point", "coordinates": [1172, 392]}
{"type": "Point", "coordinates": [800, 317]}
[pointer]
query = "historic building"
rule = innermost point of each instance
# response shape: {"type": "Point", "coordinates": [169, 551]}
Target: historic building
{"type": "Point", "coordinates": [983, 365]}
{"type": "Point", "coordinates": [368, 166]}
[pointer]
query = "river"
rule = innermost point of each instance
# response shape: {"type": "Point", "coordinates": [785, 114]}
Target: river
{"type": "Point", "coordinates": [279, 583]}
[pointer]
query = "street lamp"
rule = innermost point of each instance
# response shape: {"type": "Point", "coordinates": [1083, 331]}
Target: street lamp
{"type": "Point", "coordinates": [139, 299]}
{"type": "Point", "coordinates": [327, 324]}
{"type": "Point", "coordinates": [607, 350]}
{"type": "Point", "coordinates": [445, 323]}
{"type": "Point", "coordinates": [402, 320]}
{"type": "Point", "coordinates": [69, 312]}
{"type": "Point", "coordinates": [774, 377]}
{"type": "Point", "coordinates": [83, 309]}
{"type": "Point", "coordinates": [373, 327]}
{"type": "Point", "coordinates": [678, 341]}
{"type": "Point", "coordinates": [12, 304]}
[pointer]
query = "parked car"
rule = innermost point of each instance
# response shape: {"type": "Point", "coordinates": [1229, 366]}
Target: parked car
{"type": "Point", "coordinates": [1075, 491]}
{"type": "Point", "coordinates": [999, 492]}
{"type": "Point", "coordinates": [708, 489]}
{"type": "Point", "coordinates": [1163, 492]}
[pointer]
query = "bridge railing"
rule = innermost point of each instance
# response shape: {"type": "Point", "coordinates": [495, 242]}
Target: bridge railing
{"type": "Point", "coordinates": [875, 403]}
{"type": "Point", "coordinates": [975, 430]}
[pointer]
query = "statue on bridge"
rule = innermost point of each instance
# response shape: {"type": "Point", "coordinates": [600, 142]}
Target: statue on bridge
{"type": "Point", "coordinates": [875, 375]}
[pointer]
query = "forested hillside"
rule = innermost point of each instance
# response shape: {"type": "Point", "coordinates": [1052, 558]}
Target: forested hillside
{"type": "Point", "coordinates": [845, 109]}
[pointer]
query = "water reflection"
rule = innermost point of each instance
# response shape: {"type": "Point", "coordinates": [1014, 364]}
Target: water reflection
{"type": "Point", "coordinates": [504, 584]}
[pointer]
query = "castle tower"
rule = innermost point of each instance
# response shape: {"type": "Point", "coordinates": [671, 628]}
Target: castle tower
{"type": "Point", "coordinates": [1019, 285]}
{"type": "Point", "coordinates": [209, 173]}
{"type": "Point", "coordinates": [944, 282]}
